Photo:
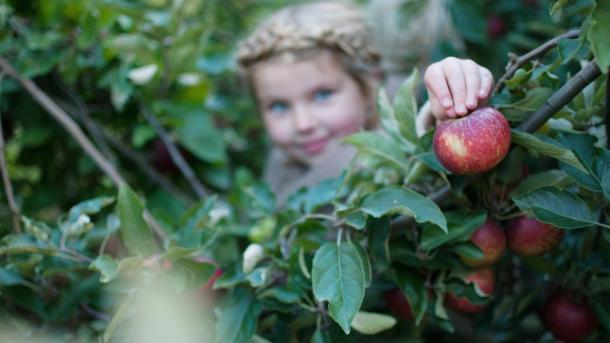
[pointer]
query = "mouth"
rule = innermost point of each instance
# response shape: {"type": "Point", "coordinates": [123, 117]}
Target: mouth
{"type": "Point", "coordinates": [315, 146]}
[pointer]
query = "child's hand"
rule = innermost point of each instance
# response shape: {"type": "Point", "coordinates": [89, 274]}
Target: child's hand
{"type": "Point", "coordinates": [456, 87]}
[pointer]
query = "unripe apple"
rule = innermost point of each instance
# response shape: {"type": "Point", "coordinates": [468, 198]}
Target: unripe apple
{"type": "Point", "coordinates": [474, 143]}
{"type": "Point", "coordinates": [490, 238]}
{"type": "Point", "coordinates": [398, 304]}
{"type": "Point", "coordinates": [529, 237]}
{"type": "Point", "coordinates": [568, 316]}
{"type": "Point", "coordinates": [484, 279]}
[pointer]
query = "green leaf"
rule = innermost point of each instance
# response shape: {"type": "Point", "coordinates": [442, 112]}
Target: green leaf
{"type": "Point", "coordinates": [405, 107]}
{"type": "Point", "coordinates": [379, 239]}
{"type": "Point", "coordinates": [599, 34]}
{"type": "Point", "coordinates": [557, 5]}
{"type": "Point", "coordinates": [536, 144]}
{"type": "Point", "coordinates": [601, 312]}
{"type": "Point", "coordinates": [379, 146]}
{"type": "Point", "coordinates": [106, 266]}
{"type": "Point", "coordinates": [137, 236]}
{"type": "Point", "coordinates": [394, 200]}
{"type": "Point", "coordinates": [91, 206]}
{"type": "Point", "coordinates": [517, 111]}
{"type": "Point", "coordinates": [412, 285]}
{"type": "Point", "coordinates": [366, 264]}
{"type": "Point", "coordinates": [431, 161]}
{"type": "Point", "coordinates": [559, 208]}
{"type": "Point", "coordinates": [461, 225]}
{"type": "Point", "coordinates": [469, 250]}
{"type": "Point", "coordinates": [238, 317]}
{"type": "Point", "coordinates": [469, 19]}
{"type": "Point", "coordinates": [338, 277]}
{"type": "Point", "coordinates": [547, 178]}
{"type": "Point", "coordinates": [198, 135]}
{"type": "Point", "coordinates": [9, 277]}
{"type": "Point", "coordinates": [389, 122]}
{"type": "Point", "coordinates": [368, 323]}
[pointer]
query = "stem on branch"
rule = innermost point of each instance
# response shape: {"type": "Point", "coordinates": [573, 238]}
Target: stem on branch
{"type": "Point", "coordinates": [184, 167]}
{"type": "Point", "coordinates": [517, 62]}
{"type": "Point", "coordinates": [8, 187]}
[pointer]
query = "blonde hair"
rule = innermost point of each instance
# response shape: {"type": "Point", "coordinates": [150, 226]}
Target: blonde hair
{"type": "Point", "coordinates": [334, 25]}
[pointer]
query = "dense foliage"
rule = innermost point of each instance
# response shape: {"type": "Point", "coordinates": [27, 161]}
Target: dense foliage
{"type": "Point", "coordinates": [375, 254]}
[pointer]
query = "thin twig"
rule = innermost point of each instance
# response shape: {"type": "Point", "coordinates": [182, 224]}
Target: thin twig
{"type": "Point", "coordinates": [185, 169]}
{"type": "Point", "coordinates": [132, 156]}
{"type": "Point", "coordinates": [8, 187]}
{"type": "Point", "coordinates": [563, 96]}
{"type": "Point", "coordinates": [82, 113]}
{"type": "Point", "coordinates": [607, 114]}
{"type": "Point", "coordinates": [518, 62]}
{"type": "Point", "coordinates": [64, 119]}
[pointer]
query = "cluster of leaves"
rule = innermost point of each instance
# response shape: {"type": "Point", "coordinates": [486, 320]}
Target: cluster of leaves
{"type": "Point", "coordinates": [319, 267]}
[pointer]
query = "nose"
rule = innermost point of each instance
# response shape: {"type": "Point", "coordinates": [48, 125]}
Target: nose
{"type": "Point", "coordinates": [304, 120]}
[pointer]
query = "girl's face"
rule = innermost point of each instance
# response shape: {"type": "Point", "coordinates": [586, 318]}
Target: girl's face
{"type": "Point", "coordinates": [308, 103]}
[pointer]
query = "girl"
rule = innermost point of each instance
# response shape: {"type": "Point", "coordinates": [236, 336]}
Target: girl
{"type": "Point", "coordinates": [314, 69]}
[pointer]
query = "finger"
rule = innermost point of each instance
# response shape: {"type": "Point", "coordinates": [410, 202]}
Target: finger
{"type": "Point", "coordinates": [473, 83]}
{"type": "Point", "coordinates": [486, 82]}
{"type": "Point", "coordinates": [437, 86]}
{"type": "Point", "coordinates": [457, 85]}
{"type": "Point", "coordinates": [439, 112]}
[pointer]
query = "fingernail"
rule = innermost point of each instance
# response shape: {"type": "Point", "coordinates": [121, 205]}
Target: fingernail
{"type": "Point", "coordinates": [446, 102]}
{"type": "Point", "coordinates": [470, 104]}
{"type": "Point", "coordinates": [460, 108]}
{"type": "Point", "coordinates": [482, 93]}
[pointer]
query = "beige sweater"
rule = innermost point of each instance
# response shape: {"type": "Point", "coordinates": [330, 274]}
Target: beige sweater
{"type": "Point", "coordinates": [285, 176]}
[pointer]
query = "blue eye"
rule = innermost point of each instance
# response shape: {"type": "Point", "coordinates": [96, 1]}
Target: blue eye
{"type": "Point", "coordinates": [322, 94]}
{"type": "Point", "coordinates": [278, 107]}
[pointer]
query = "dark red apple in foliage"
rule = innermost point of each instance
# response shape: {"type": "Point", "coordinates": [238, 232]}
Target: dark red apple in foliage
{"type": "Point", "coordinates": [485, 280]}
{"type": "Point", "coordinates": [568, 316]}
{"type": "Point", "coordinates": [496, 27]}
{"type": "Point", "coordinates": [529, 237]}
{"type": "Point", "coordinates": [161, 158]}
{"type": "Point", "coordinates": [474, 143]}
{"type": "Point", "coordinates": [490, 238]}
{"type": "Point", "coordinates": [398, 304]}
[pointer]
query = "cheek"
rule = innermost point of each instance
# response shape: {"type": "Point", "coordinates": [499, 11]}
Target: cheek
{"type": "Point", "coordinates": [279, 130]}
{"type": "Point", "coordinates": [347, 118]}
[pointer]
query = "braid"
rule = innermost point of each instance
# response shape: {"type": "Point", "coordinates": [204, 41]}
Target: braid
{"type": "Point", "coordinates": [336, 26]}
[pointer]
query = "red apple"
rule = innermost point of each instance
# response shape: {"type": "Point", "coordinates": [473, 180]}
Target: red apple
{"type": "Point", "coordinates": [529, 237]}
{"type": "Point", "coordinates": [490, 238]}
{"type": "Point", "coordinates": [474, 143]}
{"type": "Point", "coordinates": [161, 158]}
{"type": "Point", "coordinates": [398, 304]}
{"type": "Point", "coordinates": [568, 316]}
{"type": "Point", "coordinates": [496, 27]}
{"type": "Point", "coordinates": [484, 279]}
